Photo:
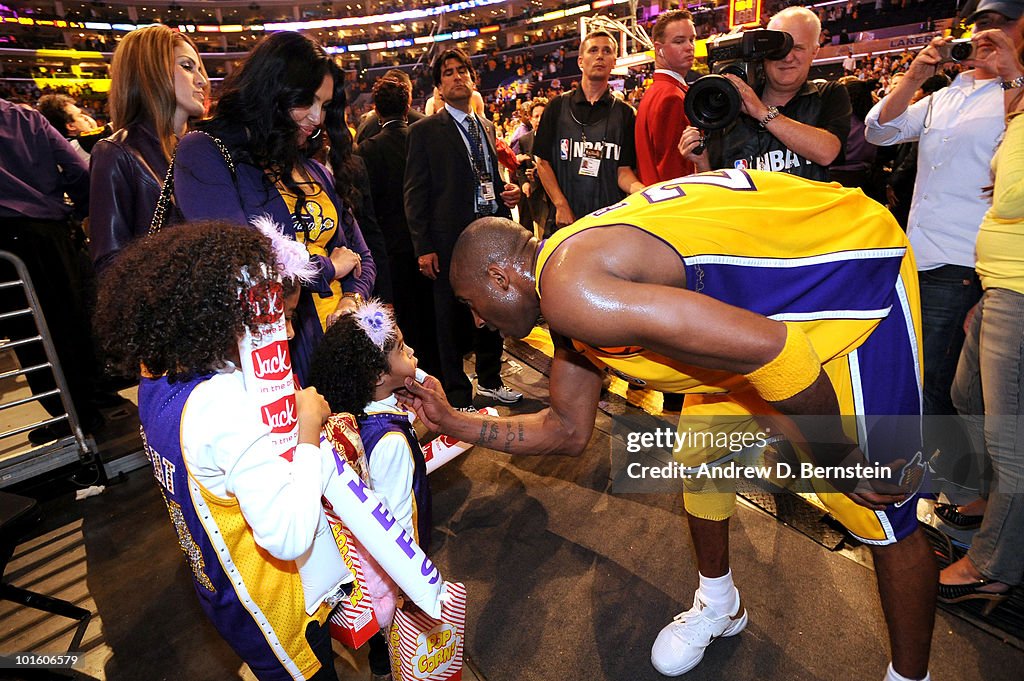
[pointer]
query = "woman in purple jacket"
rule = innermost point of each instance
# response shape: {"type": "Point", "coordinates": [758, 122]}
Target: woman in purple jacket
{"type": "Point", "coordinates": [158, 84]}
{"type": "Point", "coordinates": [270, 120]}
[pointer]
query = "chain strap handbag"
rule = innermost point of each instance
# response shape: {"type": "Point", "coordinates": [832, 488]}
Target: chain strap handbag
{"type": "Point", "coordinates": [167, 191]}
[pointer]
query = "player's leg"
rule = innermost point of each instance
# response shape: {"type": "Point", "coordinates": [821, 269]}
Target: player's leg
{"type": "Point", "coordinates": [907, 584]}
{"type": "Point", "coordinates": [711, 544]}
{"type": "Point", "coordinates": [882, 380]}
{"type": "Point", "coordinates": [717, 611]}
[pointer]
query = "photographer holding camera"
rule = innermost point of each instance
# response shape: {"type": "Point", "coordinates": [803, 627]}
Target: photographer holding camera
{"type": "Point", "coordinates": [958, 128]}
{"type": "Point", "coordinates": [791, 125]}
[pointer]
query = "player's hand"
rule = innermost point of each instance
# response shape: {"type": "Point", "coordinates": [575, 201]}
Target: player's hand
{"type": "Point", "coordinates": [564, 216]}
{"type": "Point", "coordinates": [429, 265]}
{"type": "Point", "coordinates": [428, 400]}
{"type": "Point", "coordinates": [883, 489]}
{"type": "Point", "coordinates": [877, 494]}
{"type": "Point", "coordinates": [876, 487]}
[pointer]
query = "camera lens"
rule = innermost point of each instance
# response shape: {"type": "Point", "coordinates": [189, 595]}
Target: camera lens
{"type": "Point", "coordinates": [736, 70]}
{"type": "Point", "coordinates": [712, 102]}
{"type": "Point", "coordinates": [961, 51]}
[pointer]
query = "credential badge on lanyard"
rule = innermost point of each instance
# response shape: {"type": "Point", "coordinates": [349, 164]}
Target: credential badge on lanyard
{"type": "Point", "coordinates": [590, 164]}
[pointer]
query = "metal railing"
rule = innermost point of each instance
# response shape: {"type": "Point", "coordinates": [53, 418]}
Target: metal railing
{"type": "Point", "coordinates": [74, 444]}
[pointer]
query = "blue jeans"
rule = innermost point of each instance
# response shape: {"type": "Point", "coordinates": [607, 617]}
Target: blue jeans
{"type": "Point", "coordinates": [947, 294]}
{"type": "Point", "coordinates": [990, 382]}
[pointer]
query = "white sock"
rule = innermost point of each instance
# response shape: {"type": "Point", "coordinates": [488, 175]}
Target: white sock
{"type": "Point", "coordinates": [719, 592]}
{"type": "Point", "coordinates": [892, 675]}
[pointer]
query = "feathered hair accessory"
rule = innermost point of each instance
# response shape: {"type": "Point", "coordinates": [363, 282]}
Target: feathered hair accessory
{"type": "Point", "coordinates": [377, 321]}
{"type": "Point", "coordinates": [293, 259]}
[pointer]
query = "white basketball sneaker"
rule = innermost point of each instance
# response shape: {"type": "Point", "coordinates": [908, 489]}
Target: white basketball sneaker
{"type": "Point", "coordinates": [680, 645]}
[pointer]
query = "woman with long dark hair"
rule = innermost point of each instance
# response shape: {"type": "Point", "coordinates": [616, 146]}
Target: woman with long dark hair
{"type": "Point", "coordinates": [255, 156]}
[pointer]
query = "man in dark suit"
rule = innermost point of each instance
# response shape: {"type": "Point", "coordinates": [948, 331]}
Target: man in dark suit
{"type": "Point", "coordinates": [533, 206]}
{"type": "Point", "coordinates": [371, 122]}
{"type": "Point", "coordinates": [384, 154]}
{"type": "Point", "coordinates": [452, 178]}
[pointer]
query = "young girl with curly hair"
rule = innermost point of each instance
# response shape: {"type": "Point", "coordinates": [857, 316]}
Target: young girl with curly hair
{"type": "Point", "coordinates": [170, 307]}
{"type": "Point", "coordinates": [360, 363]}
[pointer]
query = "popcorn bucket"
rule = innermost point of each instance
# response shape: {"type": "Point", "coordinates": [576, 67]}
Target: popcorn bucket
{"type": "Point", "coordinates": [426, 649]}
{"type": "Point", "coordinates": [266, 369]}
{"type": "Point", "coordinates": [354, 621]}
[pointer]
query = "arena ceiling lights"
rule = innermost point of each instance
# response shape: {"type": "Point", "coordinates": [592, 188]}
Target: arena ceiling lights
{"type": "Point", "coordinates": [393, 17]}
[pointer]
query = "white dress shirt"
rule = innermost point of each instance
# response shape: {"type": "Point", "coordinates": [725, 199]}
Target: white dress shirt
{"type": "Point", "coordinates": [959, 129]}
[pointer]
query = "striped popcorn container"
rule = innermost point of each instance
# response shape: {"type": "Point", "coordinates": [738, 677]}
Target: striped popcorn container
{"type": "Point", "coordinates": [353, 622]}
{"type": "Point", "coordinates": [425, 649]}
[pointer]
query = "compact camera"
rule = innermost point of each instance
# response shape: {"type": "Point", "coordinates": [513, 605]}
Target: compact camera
{"type": "Point", "coordinates": [712, 102]}
{"type": "Point", "coordinates": [957, 50]}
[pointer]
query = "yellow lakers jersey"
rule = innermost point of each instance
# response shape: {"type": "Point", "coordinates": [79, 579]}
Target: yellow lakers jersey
{"type": "Point", "coordinates": [825, 258]}
{"type": "Point", "coordinates": [320, 218]}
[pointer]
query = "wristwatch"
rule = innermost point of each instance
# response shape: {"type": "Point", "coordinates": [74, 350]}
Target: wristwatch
{"type": "Point", "coordinates": [773, 111]}
{"type": "Point", "coordinates": [1012, 84]}
{"type": "Point", "coordinates": [355, 296]}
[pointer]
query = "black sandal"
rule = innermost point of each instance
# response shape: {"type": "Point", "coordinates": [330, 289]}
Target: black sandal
{"type": "Point", "coordinates": [962, 521]}
{"type": "Point", "coordinates": [958, 593]}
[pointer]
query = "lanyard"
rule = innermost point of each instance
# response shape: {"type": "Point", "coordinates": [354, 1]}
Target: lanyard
{"type": "Point", "coordinates": [583, 127]}
{"type": "Point", "coordinates": [483, 151]}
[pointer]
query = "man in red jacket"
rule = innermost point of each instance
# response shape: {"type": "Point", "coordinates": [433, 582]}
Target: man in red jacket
{"type": "Point", "coordinates": [661, 119]}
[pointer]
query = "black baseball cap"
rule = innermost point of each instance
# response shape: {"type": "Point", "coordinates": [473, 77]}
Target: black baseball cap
{"type": "Point", "coordinates": [1011, 9]}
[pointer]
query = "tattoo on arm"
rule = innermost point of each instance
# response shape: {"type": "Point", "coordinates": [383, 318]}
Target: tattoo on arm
{"type": "Point", "coordinates": [510, 436]}
{"type": "Point", "coordinates": [488, 433]}
{"type": "Point", "coordinates": [491, 434]}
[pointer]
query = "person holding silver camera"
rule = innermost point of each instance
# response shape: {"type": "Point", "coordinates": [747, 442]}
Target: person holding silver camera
{"type": "Point", "coordinates": [791, 125]}
{"type": "Point", "coordinates": [989, 380]}
{"type": "Point", "coordinates": [958, 129]}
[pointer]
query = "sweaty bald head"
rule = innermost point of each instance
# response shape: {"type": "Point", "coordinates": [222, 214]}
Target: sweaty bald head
{"type": "Point", "coordinates": [491, 272]}
{"type": "Point", "coordinates": [486, 241]}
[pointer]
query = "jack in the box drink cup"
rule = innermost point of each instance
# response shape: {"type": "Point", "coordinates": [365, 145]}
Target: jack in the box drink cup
{"type": "Point", "coordinates": [267, 373]}
{"type": "Point", "coordinates": [267, 365]}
